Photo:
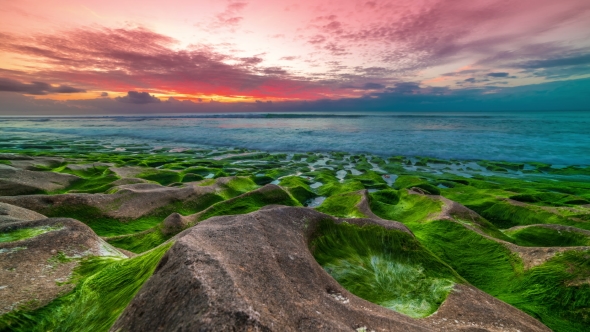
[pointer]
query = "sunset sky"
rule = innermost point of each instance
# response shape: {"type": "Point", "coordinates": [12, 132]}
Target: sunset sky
{"type": "Point", "coordinates": [103, 56]}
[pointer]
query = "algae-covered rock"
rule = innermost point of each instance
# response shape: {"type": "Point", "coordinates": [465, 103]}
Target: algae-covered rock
{"type": "Point", "coordinates": [37, 258]}
{"type": "Point", "coordinates": [256, 272]}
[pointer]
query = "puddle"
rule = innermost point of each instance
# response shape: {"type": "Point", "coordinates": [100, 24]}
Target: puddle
{"type": "Point", "coordinates": [390, 179]}
{"type": "Point", "coordinates": [354, 171]}
{"type": "Point", "coordinates": [316, 201]}
{"type": "Point", "coordinates": [316, 185]}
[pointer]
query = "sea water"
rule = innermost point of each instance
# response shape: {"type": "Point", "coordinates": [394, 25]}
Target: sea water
{"type": "Point", "coordinates": [559, 138]}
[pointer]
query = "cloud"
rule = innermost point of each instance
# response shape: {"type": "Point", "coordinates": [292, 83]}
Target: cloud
{"type": "Point", "coordinates": [499, 74]}
{"type": "Point", "coordinates": [138, 58]}
{"type": "Point", "coordinates": [403, 96]}
{"type": "Point", "coordinates": [104, 94]}
{"type": "Point", "coordinates": [135, 97]}
{"type": "Point", "coordinates": [576, 60]}
{"type": "Point", "coordinates": [229, 17]}
{"type": "Point", "coordinates": [373, 86]}
{"type": "Point", "coordinates": [35, 88]}
{"type": "Point", "coordinates": [412, 35]}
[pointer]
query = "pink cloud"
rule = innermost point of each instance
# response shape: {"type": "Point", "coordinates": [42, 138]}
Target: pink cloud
{"type": "Point", "coordinates": [129, 59]}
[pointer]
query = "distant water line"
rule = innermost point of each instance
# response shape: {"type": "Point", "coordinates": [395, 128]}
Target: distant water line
{"type": "Point", "coordinates": [560, 138]}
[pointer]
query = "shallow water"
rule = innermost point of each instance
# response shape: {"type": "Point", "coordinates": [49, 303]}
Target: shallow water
{"type": "Point", "coordinates": [561, 138]}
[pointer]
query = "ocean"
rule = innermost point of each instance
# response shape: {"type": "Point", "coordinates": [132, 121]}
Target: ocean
{"type": "Point", "coordinates": [558, 138]}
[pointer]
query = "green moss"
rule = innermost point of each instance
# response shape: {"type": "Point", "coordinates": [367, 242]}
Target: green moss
{"type": "Point", "coordinates": [556, 293]}
{"type": "Point", "coordinates": [237, 186]}
{"type": "Point", "coordinates": [191, 177]}
{"type": "Point", "coordinates": [250, 202]}
{"type": "Point", "coordinates": [485, 263]}
{"type": "Point", "coordinates": [105, 286]}
{"type": "Point", "coordinates": [369, 180]}
{"type": "Point", "coordinates": [506, 215]}
{"type": "Point", "coordinates": [401, 206]}
{"type": "Point", "coordinates": [394, 168]}
{"type": "Point", "coordinates": [26, 233]}
{"type": "Point", "coordinates": [409, 181]}
{"type": "Point", "coordinates": [501, 166]}
{"type": "Point", "coordinates": [342, 205]}
{"type": "Point", "coordinates": [537, 236]}
{"type": "Point", "coordinates": [99, 222]}
{"type": "Point", "coordinates": [140, 242]}
{"type": "Point", "coordinates": [262, 180]}
{"type": "Point", "coordinates": [163, 177]}
{"type": "Point", "coordinates": [298, 188]}
{"type": "Point", "coordinates": [386, 267]}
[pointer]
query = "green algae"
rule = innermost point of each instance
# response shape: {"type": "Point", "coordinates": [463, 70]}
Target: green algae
{"type": "Point", "coordinates": [556, 292]}
{"type": "Point", "coordinates": [27, 233]}
{"type": "Point", "coordinates": [370, 180]}
{"type": "Point", "coordinates": [140, 242]}
{"type": "Point", "coordinates": [298, 187]}
{"type": "Point", "coordinates": [163, 177]}
{"type": "Point", "coordinates": [386, 267]}
{"type": "Point", "coordinates": [401, 206]}
{"type": "Point", "coordinates": [102, 224]}
{"type": "Point", "coordinates": [548, 195]}
{"type": "Point", "coordinates": [409, 181]}
{"type": "Point", "coordinates": [250, 202]}
{"type": "Point", "coordinates": [332, 186]}
{"type": "Point", "coordinates": [537, 236]}
{"type": "Point", "coordinates": [342, 205]}
{"type": "Point", "coordinates": [105, 286]}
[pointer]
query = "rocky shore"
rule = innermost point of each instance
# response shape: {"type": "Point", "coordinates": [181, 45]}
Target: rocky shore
{"type": "Point", "coordinates": [228, 240]}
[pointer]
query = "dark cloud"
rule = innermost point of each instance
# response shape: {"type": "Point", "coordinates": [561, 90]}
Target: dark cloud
{"type": "Point", "coordinates": [104, 94]}
{"type": "Point", "coordinates": [499, 74]}
{"type": "Point", "coordinates": [317, 39]}
{"type": "Point", "coordinates": [577, 60]}
{"type": "Point", "coordinates": [404, 88]}
{"type": "Point", "coordinates": [274, 71]}
{"type": "Point", "coordinates": [366, 86]}
{"type": "Point", "coordinates": [135, 97]}
{"type": "Point", "coordinates": [35, 88]}
{"type": "Point", "coordinates": [251, 61]}
{"type": "Point", "coordinates": [461, 73]}
{"type": "Point", "coordinates": [373, 86]}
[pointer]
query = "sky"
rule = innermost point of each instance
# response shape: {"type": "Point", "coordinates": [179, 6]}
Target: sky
{"type": "Point", "coordinates": [123, 57]}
